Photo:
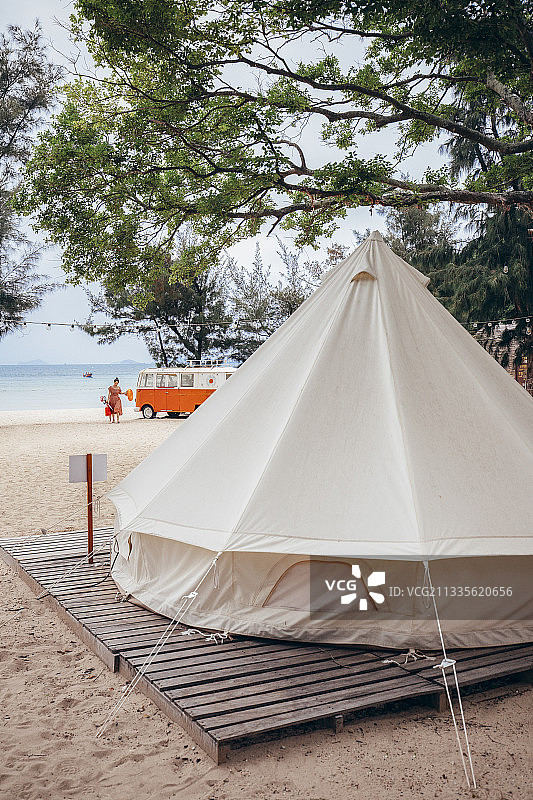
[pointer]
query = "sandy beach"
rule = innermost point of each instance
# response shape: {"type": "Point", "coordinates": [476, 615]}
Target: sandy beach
{"type": "Point", "coordinates": [54, 692]}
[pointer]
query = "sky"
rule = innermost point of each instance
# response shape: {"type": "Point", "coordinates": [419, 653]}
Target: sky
{"type": "Point", "coordinates": [59, 344]}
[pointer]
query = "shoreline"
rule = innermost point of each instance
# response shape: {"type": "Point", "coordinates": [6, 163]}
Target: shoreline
{"type": "Point", "coordinates": [59, 416]}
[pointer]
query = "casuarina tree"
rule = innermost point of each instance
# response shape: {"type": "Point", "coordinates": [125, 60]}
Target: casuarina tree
{"type": "Point", "coordinates": [27, 82]}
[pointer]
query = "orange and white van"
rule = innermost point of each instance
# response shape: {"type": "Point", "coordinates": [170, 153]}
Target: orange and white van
{"type": "Point", "coordinates": [178, 390]}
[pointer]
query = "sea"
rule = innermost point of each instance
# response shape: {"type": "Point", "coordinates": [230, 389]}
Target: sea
{"type": "Point", "coordinates": [55, 386]}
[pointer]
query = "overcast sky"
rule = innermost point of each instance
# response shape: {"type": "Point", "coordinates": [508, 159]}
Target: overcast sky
{"type": "Point", "coordinates": [69, 304]}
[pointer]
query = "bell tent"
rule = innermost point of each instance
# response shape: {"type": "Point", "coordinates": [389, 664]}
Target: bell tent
{"type": "Point", "coordinates": [369, 437]}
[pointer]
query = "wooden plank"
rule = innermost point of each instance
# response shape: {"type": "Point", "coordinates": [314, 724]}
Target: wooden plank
{"type": "Point", "coordinates": [57, 550]}
{"type": "Point", "coordinates": [341, 700]}
{"type": "Point", "coordinates": [277, 722]}
{"type": "Point", "coordinates": [315, 690]}
{"type": "Point", "coordinates": [114, 608]}
{"type": "Point", "coordinates": [79, 573]}
{"type": "Point", "coordinates": [297, 679]}
{"type": "Point", "coordinates": [180, 651]}
{"type": "Point", "coordinates": [79, 588]}
{"type": "Point", "coordinates": [104, 599]}
{"type": "Point", "coordinates": [423, 663]}
{"type": "Point", "coordinates": [111, 623]}
{"type": "Point", "coordinates": [227, 657]}
{"type": "Point", "coordinates": [49, 536]}
{"type": "Point", "coordinates": [98, 594]}
{"type": "Point", "coordinates": [463, 667]}
{"type": "Point", "coordinates": [498, 670]}
{"type": "Point", "coordinates": [491, 667]}
{"type": "Point", "coordinates": [201, 672]}
{"type": "Point", "coordinates": [249, 683]}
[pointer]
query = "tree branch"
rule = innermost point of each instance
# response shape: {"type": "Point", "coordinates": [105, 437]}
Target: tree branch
{"type": "Point", "coordinates": [511, 100]}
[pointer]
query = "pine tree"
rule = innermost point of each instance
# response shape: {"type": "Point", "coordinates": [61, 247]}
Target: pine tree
{"type": "Point", "coordinates": [27, 81]}
{"type": "Point", "coordinates": [492, 281]}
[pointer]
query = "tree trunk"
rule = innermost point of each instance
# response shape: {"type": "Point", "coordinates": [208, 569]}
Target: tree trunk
{"type": "Point", "coordinates": [162, 348]}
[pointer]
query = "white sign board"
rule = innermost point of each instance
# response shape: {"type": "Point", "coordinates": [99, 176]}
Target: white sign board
{"type": "Point", "coordinates": [77, 468]}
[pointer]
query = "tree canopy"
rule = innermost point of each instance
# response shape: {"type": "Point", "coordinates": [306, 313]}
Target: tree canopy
{"type": "Point", "coordinates": [180, 318]}
{"type": "Point", "coordinates": [219, 309]}
{"type": "Point", "coordinates": [220, 115]}
{"type": "Point", "coordinates": [27, 82]}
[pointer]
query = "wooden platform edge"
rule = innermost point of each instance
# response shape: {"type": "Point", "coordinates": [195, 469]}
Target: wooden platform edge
{"type": "Point", "coordinates": [209, 745]}
{"type": "Point", "coordinates": [110, 659]}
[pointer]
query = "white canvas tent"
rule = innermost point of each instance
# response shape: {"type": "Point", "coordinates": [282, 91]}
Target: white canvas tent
{"type": "Point", "coordinates": [370, 427]}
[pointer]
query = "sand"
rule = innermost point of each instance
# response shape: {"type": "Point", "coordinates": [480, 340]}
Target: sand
{"type": "Point", "coordinates": [54, 692]}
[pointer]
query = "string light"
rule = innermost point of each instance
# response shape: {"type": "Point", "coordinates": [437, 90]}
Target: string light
{"type": "Point", "coordinates": [98, 328]}
{"type": "Point", "coordinates": [490, 322]}
{"type": "Point", "coordinates": [198, 326]}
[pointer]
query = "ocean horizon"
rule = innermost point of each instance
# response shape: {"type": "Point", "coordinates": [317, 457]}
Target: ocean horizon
{"type": "Point", "coordinates": [27, 387]}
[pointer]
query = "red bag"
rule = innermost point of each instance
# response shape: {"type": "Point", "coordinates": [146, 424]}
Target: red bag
{"type": "Point", "coordinates": [107, 410]}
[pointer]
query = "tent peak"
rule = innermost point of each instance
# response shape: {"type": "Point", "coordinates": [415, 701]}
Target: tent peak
{"type": "Point", "coordinates": [376, 235]}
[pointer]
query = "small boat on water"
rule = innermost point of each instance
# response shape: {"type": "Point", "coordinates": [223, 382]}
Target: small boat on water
{"type": "Point", "coordinates": [87, 374]}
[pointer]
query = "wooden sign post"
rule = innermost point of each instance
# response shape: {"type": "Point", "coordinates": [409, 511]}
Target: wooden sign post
{"type": "Point", "coordinates": [90, 545]}
{"type": "Point", "coordinates": [86, 469]}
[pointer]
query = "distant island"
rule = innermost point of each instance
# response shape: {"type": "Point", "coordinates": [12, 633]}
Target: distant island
{"type": "Point", "coordinates": [38, 362]}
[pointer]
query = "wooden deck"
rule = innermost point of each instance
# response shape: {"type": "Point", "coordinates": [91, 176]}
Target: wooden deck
{"type": "Point", "coordinates": [228, 693]}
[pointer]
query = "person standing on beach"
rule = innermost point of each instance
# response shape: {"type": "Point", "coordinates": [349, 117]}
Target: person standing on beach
{"type": "Point", "coordinates": [114, 401]}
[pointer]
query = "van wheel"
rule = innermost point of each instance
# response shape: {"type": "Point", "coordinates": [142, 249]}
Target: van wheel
{"type": "Point", "coordinates": [148, 412]}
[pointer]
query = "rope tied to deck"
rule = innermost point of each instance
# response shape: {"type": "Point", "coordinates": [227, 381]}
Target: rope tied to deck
{"type": "Point", "coordinates": [186, 602]}
{"type": "Point", "coordinates": [216, 636]}
{"type": "Point", "coordinates": [445, 663]}
{"type": "Point", "coordinates": [411, 655]}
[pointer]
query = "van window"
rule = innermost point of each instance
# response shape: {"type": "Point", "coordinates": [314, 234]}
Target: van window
{"type": "Point", "coordinates": [172, 381]}
{"type": "Point", "coordinates": [160, 380]}
{"type": "Point", "coordinates": [187, 379]}
{"type": "Point", "coordinates": [228, 375]}
{"type": "Point", "coordinates": [148, 381]}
